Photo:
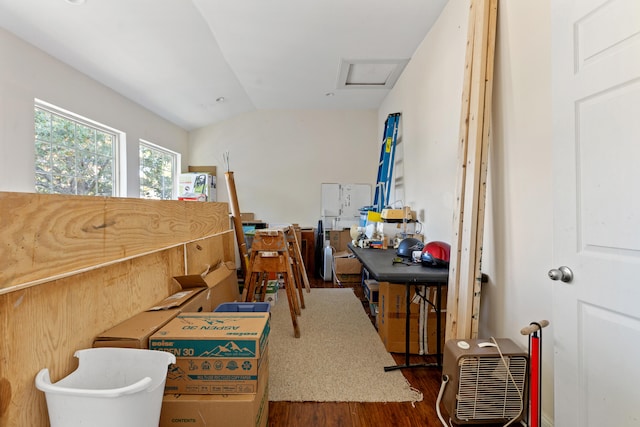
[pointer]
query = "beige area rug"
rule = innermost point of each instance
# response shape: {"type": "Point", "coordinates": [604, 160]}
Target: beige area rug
{"type": "Point", "coordinates": [338, 357]}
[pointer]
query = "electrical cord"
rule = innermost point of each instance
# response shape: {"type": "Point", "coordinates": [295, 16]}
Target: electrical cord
{"type": "Point", "coordinates": [512, 380]}
{"type": "Point", "coordinates": [445, 380]}
{"type": "Point", "coordinates": [423, 297]}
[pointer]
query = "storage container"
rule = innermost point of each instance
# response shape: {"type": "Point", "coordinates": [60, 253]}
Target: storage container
{"type": "Point", "coordinates": [112, 387]}
{"type": "Point", "coordinates": [234, 307]}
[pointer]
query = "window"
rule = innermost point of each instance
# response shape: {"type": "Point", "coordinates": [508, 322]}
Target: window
{"type": "Point", "coordinates": [158, 170]}
{"type": "Point", "coordinates": [73, 155]}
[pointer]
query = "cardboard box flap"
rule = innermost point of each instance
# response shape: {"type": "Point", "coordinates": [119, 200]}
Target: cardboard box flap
{"type": "Point", "coordinates": [191, 281]}
{"type": "Point", "coordinates": [177, 299]}
{"type": "Point", "coordinates": [343, 254]}
{"type": "Point", "coordinates": [135, 329]}
{"type": "Point", "coordinates": [220, 273]}
{"type": "Point", "coordinates": [222, 281]}
{"type": "Point", "coordinates": [208, 278]}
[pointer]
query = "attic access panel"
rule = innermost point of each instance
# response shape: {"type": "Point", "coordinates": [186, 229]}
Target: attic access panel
{"type": "Point", "coordinates": [370, 73]}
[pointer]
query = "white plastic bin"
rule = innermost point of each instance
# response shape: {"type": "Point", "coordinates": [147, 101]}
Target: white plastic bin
{"type": "Point", "coordinates": [112, 387]}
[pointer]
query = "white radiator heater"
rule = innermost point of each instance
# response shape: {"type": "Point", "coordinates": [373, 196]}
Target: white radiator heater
{"type": "Point", "coordinates": [483, 386]}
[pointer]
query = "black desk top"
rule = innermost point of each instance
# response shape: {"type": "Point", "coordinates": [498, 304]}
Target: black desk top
{"type": "Point", "coordinates": [379, 263]}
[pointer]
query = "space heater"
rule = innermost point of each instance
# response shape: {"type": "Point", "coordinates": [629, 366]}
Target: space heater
{"type": "Point", "coordinates": [483, 386]}
{"type": "Point", "coordinates": [327, 262]}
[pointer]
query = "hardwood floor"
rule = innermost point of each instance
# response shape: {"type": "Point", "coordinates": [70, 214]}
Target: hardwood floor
{"type": "Point", "coordinates": [353, 414]}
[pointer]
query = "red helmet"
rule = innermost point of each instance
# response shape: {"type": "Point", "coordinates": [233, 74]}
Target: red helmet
{"type": "Point", "coordinates": [436, 254]}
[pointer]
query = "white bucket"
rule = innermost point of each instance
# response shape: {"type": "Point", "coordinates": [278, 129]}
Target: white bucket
{"type": "Point", "coordinates": [112, 387]}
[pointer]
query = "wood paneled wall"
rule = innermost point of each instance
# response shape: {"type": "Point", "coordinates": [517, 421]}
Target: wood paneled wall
{"type": "Point", "coordinates": [72, 267]}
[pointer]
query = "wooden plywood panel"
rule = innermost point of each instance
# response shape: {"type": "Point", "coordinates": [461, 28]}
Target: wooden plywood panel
{"type": "Point", "coordinates": [76, 266]}
{"type": "Point", "coordinates": [209, 252]}
{"type": "Point", "coordinates": [44, 236]}
{"type": "Point", "coordinates": [42, 326]}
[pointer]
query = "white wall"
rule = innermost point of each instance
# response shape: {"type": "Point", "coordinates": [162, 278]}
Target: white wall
{"type": "Point", "coordinates": [518, 232]}
{"type": "Point", "coordinates": [28, 73]}
{"type": "Point", "coordinates": [428, 95]}
{"type": "Point", "coordinates": [280, 158]}
{"type": "Point", "coordinates": [521, 213]}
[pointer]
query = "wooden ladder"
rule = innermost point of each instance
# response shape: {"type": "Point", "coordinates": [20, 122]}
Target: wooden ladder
{"type": "Point", "coordinates": [275, 252]}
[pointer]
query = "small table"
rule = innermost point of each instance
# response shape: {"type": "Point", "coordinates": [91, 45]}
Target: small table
{"type": "Point", "coordinates": [379, 264]}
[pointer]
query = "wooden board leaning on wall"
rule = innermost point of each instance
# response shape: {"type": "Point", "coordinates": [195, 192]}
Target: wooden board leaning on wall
{"type": "Point", "coordinates": [44, 321]}
{"type": "Point", "coordinates": [465, 275]}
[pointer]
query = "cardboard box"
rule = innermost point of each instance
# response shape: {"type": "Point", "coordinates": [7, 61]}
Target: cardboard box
{"type": "Point", "coordinates": [211, 170]}
{"type": "Point", "coordinates": [213, 410]}
{"type": "Point", "coordinates": [339, 239]}
{"type": "Point", "coordinates": [373, 309]}
{"type": "Point", "coordinates": [237, 334]}
{"type": "Point", "coordinates": [346, 268]}
{"type": "Point", "coordinates": [215, 375]}
{"type": "Point", "coordinates": [198, 186]}
{"type": "Point", "coordinates": [271, 295]}
{"type": "Point", "coordinates": [223, 282]}
{"type": "Point", "coordinates": [371, 290]}
{"type": "Point", "coordinates": [392, 320]}
{"type": "Point", "coordinates": [192, 297]}
{"type": "Point", "coordinates": [196, 294]}
{"type": "Point", "coordinates": [135, 331]}
{"type": "Point", "coordinates": [219, 341]}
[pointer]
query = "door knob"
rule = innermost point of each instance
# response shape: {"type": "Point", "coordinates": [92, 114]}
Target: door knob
{"type": "Point", "coordinates": [563, 273]}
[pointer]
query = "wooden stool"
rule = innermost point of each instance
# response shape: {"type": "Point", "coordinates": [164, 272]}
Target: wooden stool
{"type": "Point", "coordinates": [270, 256]}
{"type": "Point", "coordinates": [294, 247]}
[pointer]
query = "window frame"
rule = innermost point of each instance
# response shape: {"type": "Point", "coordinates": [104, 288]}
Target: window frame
{"type": "Point", "coordinates": [119, 143]}
{"type": "Point", "coordinates": [177, 159]}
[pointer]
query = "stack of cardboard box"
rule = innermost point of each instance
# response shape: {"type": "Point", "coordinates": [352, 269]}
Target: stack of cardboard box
{"type": "Point", "coordinates": [221, 373]}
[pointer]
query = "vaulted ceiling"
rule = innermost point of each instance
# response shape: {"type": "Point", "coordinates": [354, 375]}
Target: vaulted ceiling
{"type": "Point", "coordinates": [197, 62]}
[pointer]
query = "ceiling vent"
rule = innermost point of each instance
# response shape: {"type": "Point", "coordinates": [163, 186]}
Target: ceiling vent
{"type": "Point", "coordinates": [370, 73]}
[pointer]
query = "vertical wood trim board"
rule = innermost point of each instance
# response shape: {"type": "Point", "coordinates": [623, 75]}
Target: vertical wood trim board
{"type": "Point", "coordinates": [463, 300]}
{"type": "Point", "coordinates": [486, 139]}
{"type": "Point", "coordinates": [454, 264]}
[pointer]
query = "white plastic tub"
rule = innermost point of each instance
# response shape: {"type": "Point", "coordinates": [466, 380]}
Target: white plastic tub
{"type": "Point", "coordinates": [120, 387]}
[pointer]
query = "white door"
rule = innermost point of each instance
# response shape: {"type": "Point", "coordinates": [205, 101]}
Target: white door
{"type": "Point", "coordinates": [596, 148]}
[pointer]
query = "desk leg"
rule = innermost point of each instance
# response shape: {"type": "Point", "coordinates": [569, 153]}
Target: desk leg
{"type": "Point", "coordinates": [407, 326]}
{"type": "Point", "coordinates": [407, 342]}
{"type": "Point", "coordinates": [438, 330]}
